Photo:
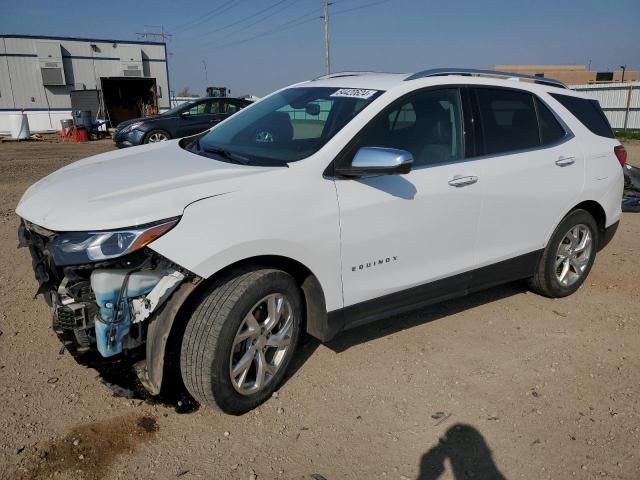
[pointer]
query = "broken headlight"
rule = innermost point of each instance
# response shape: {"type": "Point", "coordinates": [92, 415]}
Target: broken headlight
{"type": "Point", "coordinates": [75, 248]}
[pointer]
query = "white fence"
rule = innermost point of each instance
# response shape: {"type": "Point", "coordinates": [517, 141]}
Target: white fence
{"type": "Point", "coordinates": [620, 102]}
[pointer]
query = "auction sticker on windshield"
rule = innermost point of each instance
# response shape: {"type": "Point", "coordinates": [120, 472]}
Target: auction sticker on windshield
{"type": "Point", "coordinates": [354, 93]}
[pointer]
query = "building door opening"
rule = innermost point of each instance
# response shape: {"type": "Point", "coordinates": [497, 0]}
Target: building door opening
{"type": "Point", "coordinates": [127, 98]}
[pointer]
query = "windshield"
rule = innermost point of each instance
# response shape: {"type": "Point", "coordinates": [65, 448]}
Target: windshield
{"type": "Point", "coordinates": [178, 108]}
{"type": "Point", "coordinates": [286, 127]}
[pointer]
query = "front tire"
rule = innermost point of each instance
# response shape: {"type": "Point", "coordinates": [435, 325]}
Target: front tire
{"type": "Point", "coordinates": [568, 257]}
{"type": "Point", "coordinates": [241, 339]}
{"type": "Point", "coordinates": [155, 136]}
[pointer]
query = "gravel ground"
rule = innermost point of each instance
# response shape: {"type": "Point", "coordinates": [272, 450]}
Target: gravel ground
{"type": "Point", "coordinates": [503, 383]}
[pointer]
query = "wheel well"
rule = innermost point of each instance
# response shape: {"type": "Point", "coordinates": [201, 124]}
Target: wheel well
{"type": "Point", "coordinates": [314, 318]}
{"type": "Point", "coordinates": [596, 211]}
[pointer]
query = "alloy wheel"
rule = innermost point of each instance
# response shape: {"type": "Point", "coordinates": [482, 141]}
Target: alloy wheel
{"type": "Point", "coordinates": [261, 344]}
{"type": "Point", "coordinates": [157, 137]}
{"type": "Point", "coordinates": [573, 255]}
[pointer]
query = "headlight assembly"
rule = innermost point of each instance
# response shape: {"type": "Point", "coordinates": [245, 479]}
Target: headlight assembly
{"type": "Point", "coordinates": [86, 247]}
{"type": "Point", "coordinates": [132, 126]}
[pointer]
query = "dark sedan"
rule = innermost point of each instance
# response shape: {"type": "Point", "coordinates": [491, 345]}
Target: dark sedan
{"type": "Point", "coordinates": [189, 118]}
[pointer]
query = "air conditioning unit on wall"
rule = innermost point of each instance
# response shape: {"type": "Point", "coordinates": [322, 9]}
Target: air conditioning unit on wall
{"type": "Point", "coordinates": [132, 71]}
{"type": "Point", "coordinates": [131, 60]}
{"type": "Point", "coordinates": [50, 63]}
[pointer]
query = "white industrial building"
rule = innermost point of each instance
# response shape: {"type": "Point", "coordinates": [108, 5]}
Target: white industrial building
{"type": "Point", "coordinates": [48, 77]}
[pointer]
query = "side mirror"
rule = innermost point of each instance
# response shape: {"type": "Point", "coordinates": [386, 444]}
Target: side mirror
{"type": "Point", "coordinates": [185, 114]}
{"type": "Point", "coordinates": [378, 161]}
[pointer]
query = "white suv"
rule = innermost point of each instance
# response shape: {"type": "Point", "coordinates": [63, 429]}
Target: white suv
{"type": "Point", "coordinates": [326, 205]}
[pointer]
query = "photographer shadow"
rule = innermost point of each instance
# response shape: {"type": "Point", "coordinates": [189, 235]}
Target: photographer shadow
{"type": "Point", "coordinates": [468, 454]}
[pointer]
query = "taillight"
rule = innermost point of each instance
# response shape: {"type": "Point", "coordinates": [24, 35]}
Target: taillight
{"type": "Point", "coordinates": [621, 154]}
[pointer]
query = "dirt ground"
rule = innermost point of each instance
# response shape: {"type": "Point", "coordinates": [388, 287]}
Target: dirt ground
{"type": "Point", "coordinates": [501, 384]}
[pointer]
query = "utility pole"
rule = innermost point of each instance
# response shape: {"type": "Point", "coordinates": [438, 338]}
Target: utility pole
{"type": "Point", "coordinates": [206, 79]}
{"type": "Point", "coordinates": [162, 35]}
{"type": "Point", "coordinates": [327, 54]}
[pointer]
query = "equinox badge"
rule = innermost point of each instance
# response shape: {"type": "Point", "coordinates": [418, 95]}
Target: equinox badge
{"type": "Point", "coordinates": [374, 263]}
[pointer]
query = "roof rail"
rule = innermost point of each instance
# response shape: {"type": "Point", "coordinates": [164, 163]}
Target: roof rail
{"type": "Point", "coordinates": [344, 74]}
{"type": "Point", "coordinates": [438, 72]}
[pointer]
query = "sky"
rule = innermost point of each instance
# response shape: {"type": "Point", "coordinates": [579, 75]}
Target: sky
{"type": "Point", "coordinates": [257, 46]}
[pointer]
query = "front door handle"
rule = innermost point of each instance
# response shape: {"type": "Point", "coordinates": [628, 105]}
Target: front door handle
{"type": "Point", "coordinates": [460, 181]}
{"type": "Point", "coordinates": [565, 161]}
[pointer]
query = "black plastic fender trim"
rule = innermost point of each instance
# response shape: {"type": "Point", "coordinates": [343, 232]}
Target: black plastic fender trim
{"type": "Point", "coordinates": [150, 370]}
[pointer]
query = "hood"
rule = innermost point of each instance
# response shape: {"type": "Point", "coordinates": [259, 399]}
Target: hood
{"type": "Point", "coordinates": [129, 187]}
{"type": "Point", "coordinates": [121, 125]}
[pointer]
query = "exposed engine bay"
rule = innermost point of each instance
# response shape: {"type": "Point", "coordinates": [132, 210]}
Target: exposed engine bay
{"type": "Point", "coordinates": [104, 305]}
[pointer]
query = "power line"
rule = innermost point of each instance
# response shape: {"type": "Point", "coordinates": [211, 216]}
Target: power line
{"type": "Point", "coordinates": [246, 27]}
{"type": "Point", "coordinates": [233, 24]}
{"type": "Point", "coordinates": [185, 24]}
{"type": "Point", "coordinates": [161, 35]}
{"type": "Point", "coordinates": [279, 28]}
{"type": "Point", "coordinates": [372, 4]}
{"type": "Point", "coordinates": [300, 20]}
{"type": "Point", "coordinates": [225, 7]}
{"type": "Point", "coordinates": [242, 20]}
{"type": "Point", "coordinates": [304, 18]}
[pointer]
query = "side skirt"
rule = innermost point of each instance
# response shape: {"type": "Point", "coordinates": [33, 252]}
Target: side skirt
{"type": "Point", "coordinates": [430, 293]}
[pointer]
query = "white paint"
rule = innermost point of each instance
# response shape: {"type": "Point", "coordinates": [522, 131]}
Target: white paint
{"type": "Point", "coordinates": [19, 126]}
{"type": "Point", "coordinates": [232, 212]}
{"type": "Point", "coordinates": [39, 121]}
{"type": "Point", "coordinates": [145, 306]}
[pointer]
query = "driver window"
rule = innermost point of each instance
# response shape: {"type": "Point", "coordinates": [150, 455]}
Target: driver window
{"type": "Point", "coordinates": [427, 124]}
{"type": "Point", "coordinates": [199, 109]}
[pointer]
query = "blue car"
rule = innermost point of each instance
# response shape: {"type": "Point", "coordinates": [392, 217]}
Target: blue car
{"type": "Point", "coordinates": [189, 118]}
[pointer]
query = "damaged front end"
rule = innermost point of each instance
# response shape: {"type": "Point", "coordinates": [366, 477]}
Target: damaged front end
{"type": "Point", "coordinates": [104, 287]}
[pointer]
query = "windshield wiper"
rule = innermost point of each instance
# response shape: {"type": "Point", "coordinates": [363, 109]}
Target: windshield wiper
{"type": "Point", "coordinates": [226, 154]}
{"type": "Point", "coordinates": [233, 157]}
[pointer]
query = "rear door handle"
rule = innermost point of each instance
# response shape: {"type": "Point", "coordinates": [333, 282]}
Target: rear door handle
{"type": "Point", "coordinates": [565, 161]}
{"type": "Point", "coordinates": [460, 181]}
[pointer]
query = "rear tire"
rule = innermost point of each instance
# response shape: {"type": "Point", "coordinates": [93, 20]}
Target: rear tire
{"type": "Point", "coordinates": [155, 136]}
{"type": "Point", "coordinates": [235, 325]}
{"type": "Point", "coordinates": [568, 257]}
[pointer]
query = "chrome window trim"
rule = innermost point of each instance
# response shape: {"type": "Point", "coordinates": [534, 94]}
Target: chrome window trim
{"type": "Point", "coordinates": [568, 136]}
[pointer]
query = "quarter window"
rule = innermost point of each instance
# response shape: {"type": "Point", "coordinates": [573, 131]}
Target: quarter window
{"type": "Point", "coordinates": [588, 112]}
{"type": "Point", "coordinates": [230, 107]}
{"type": "Point", "coordinates": [508, 120]}
{"type": "Point", "coordinates": [427, 124]}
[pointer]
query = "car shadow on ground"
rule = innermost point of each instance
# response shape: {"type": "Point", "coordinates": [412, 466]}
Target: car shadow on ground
{"type": "Point", "coordinates": [120, 378]}
{"type": "Point", "coordinates": [388, 326]}
{"type": "Point", "coordinates": [468, 454]}
{"type": "Point", "coordinates": [381, 328]}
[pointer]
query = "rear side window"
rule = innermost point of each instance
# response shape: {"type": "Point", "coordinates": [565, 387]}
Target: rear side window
{"type": "Point", "coordinates": [550, 129]}
{"type": "Point", "coordinates": [509, 120]}
{"type": "Point", "coordinates": [588, 112]}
